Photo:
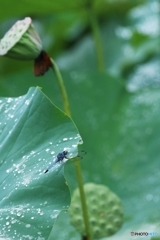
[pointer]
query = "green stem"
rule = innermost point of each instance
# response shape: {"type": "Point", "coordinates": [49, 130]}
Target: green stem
{"type": "Point", "coordinates": [83, 200]}
{"type": "Point", "coordinates": [97, 37]}
{"type": "Point", "coordinates": [62, 88]}
{"type": "Point", "coordinates": [76, 163]}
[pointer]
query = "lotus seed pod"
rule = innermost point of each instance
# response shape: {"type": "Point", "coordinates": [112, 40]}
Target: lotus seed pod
{"type": "Point", "coordinates": [104, 208]}
{"type": "Point", "coordinates": [21, 41]}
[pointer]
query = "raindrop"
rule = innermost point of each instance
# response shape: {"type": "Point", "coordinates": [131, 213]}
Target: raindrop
{"type": "Point", "coordinates": [19, 214]}
{"type": "Point", "coordinates": [28, 225]}
{"type": "Point", "coordinates": [74, 146]}
{"type": "Point", "coordinates": [27, 102]}
{"type": "Point", "coordinates": [65, 139]}
{"type": "Point", "coordinates": [13, 221]}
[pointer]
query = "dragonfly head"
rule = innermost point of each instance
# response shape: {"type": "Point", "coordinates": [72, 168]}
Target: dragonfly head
{"type": "Point", "coordinates": [65, 152]}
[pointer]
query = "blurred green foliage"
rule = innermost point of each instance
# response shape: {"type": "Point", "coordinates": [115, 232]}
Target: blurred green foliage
{"type": "Point", "coordinates": [117, 112]}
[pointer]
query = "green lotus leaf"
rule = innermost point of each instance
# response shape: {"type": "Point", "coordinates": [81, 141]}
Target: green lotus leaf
{"type": "Point", "coordinates": [32, 132]}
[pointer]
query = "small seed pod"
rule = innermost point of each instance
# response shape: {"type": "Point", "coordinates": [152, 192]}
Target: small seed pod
{"type": "Point", "coordinates": [104, 220]}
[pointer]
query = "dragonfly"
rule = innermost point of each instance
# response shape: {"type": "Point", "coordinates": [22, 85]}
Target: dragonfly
{"type": "Point", "coordinates": [60, 157]}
